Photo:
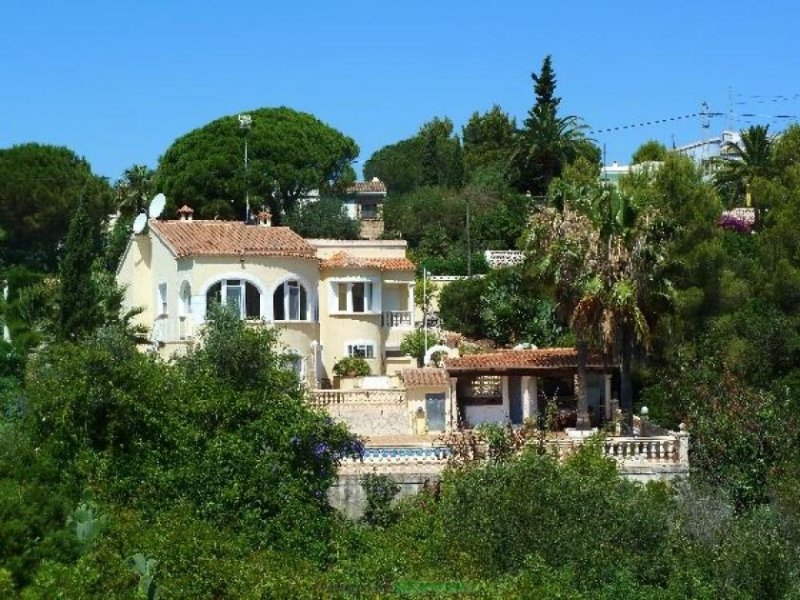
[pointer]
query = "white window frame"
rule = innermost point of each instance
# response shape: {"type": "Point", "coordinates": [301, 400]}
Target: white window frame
{"type": "Point", "coordinates": [342, 288]}
{"type": "Point", "coordinates": [242, 285]}
{"type": "Point", "coordinates": [368, 347]}
{"type": "Point", "coordinates": [309, 305]}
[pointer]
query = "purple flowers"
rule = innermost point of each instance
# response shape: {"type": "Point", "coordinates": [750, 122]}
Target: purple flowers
{"type": "Point", "coordinates": [732, 222]}
{"type": "Point", "coordinates": [321, 449]}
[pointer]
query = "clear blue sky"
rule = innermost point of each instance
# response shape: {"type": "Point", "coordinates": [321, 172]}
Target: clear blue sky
{"type": "Point", "coordinates": [117, 82]}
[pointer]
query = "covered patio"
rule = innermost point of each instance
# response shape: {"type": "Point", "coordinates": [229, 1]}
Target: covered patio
{"type": "Point", "coordinates": [515, 386]}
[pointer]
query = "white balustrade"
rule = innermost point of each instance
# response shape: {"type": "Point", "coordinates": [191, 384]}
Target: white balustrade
{"type": "Point", "coordinates": [398, 318]}
{"type": "Point", "coordinates": [355, 397]}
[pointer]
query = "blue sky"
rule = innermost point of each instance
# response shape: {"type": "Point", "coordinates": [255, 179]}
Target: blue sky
{"type": "Point", "coordinates": [117, 82]}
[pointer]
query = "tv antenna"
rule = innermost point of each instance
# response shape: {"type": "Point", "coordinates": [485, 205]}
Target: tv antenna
{"type": "Point", "coordinates": [245, 123]}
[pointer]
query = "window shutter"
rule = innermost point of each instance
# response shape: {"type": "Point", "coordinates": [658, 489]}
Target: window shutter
{"type": "Point", "coordinates": [333, 297]}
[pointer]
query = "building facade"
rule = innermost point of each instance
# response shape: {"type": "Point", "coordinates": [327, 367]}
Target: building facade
{"type": "Point", "coordinates": [328, 299]}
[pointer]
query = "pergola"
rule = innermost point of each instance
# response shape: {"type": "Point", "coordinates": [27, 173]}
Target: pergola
{"type": "Point", "coordinates": [507, 386]}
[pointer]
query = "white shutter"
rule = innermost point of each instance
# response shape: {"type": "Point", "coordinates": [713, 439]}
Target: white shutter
{"type": "Point", "coordinates": [333, 297]}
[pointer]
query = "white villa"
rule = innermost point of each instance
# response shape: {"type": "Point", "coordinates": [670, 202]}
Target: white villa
{"type": "Point", "coordinates": [329, 298]}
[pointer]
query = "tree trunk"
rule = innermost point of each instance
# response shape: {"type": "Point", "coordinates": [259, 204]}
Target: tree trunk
{"type": "Point", "coordinates": [626, 358]}
{"type": "Point", "coordinates": [582, 348]}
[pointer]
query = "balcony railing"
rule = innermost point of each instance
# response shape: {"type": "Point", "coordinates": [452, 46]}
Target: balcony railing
{"type": "Point", "coordinates": [356, 397]}
{"type": "Point", "coordinates": [398, 318]}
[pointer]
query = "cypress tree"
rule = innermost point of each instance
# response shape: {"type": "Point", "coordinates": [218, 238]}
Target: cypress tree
{"type": "Point", "coordinates": [78, 312]}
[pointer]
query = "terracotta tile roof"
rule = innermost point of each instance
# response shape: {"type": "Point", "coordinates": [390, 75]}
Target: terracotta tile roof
{"type": "Point", "coordinates": [229, 238]}
{"type": "Point", "coordinates": [361, 187]}
{"type": "Point", "coordinates": [345, 260]}
{"type": "Point", "coordinates": [541, 359]}
{"type": "Point", "coordinates": [427, 377]}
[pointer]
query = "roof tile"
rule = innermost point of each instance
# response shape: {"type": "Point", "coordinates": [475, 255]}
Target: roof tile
{"type": "Point", "coordinates": [229, 238]}
{"type": "Point", "coordinates": [345, 260]}
{"type": "Point", "coordinates": [426, 377]}
{"type": "Point", "coordinates": [360, 187]}
{"type": "Point", "coordinates": [534, 359]}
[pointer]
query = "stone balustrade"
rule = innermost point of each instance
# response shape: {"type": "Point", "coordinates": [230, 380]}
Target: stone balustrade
{"type": "Point", "coordinates": [667, 451]}
{"type": "Point", "coordinates": [497, 259]}
{"type": "Point", "coordinates": [357, 397]}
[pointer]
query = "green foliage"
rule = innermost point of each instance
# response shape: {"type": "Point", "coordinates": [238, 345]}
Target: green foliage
{"type": "Point", "coordinates": [547, 142]}
{"type": "Point", "coordinates": [289, 153]}
{"type": "Point", "coordinates": [40, 189]}
{"type": "Point", "coordinates": [380, 491]}
{"type": "Point", "coordinates": [504, 306]}
{"type": "Point", "coordinates": [460, 307]}
{"type": "Point", "coordinates": [326, 219]}
{"type": "Point", "coordinates": [488, 141]}
{"type": "Point", "coordinates": [78, 312]}
{"type": "Point", "coordinates": [651, 150]}
{"type": "Point", "coordinates": [351, 366]}
{"type": "Point", "coordinates": [415, 343]}
{"type": "Point", "coordinates": [433, 157]}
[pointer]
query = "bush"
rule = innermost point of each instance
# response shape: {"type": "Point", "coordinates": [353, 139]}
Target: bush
{"type": "Point", "coordinates": [351, 366]}
{"type": "Point", "coordinates": [380, 491]}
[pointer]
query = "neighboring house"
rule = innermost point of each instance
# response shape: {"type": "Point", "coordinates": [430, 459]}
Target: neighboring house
{"type": "Point", "coordinates": [364, 203]}
{"type": "Point", "coordinates": [328, 298]}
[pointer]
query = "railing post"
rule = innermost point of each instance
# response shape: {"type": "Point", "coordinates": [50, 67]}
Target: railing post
{"type": "Point", "coordinates": [683, 444]}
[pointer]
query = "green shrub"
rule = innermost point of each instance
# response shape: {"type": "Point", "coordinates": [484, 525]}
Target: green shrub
{"type": "Point", "coordinates": [351, 366]}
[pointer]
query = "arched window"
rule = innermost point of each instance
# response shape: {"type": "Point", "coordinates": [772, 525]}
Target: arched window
{"type": "Point", "coordinates": [290, 302]}
{"type": "Point", "coordinates": [242, 296]}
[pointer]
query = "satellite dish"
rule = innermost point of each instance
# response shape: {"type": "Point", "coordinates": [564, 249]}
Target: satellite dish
{"type": "Point", "coordinates": [157, 205]}
{"type": "Point", "coordinates": [139, 223]}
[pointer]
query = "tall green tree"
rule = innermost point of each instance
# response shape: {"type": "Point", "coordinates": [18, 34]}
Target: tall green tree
{"type": "Point", "coordinates": [432, 157]}
{"type": "Point", "coordinates": [488, 141]}
{"type": "Point", "coordinates": [289, 154]}
{"type": "Point", "coordinates": [651, 150]}
{"type": "Point", "coordinates": [78, 311]}
{"type": "Point", "coordinates": [40, 187]}
{"type": "Point", "coordinates": [547, 141]}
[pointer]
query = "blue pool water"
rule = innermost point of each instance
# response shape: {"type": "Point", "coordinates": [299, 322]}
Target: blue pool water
{"type": "Point", "coordinates": [405, 452]}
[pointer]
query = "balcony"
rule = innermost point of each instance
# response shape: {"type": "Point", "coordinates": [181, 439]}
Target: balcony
{"type": "Point", "coordinates": [398, 318]}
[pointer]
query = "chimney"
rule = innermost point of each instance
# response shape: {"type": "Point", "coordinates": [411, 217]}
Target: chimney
{"type": "Point", "coordinates": [185, 212]}
{"type": "Point", "coordinates": [265, 218]}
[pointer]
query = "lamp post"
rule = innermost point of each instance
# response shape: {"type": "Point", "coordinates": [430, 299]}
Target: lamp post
{"type": "Point", "coordinates": [245, 122]}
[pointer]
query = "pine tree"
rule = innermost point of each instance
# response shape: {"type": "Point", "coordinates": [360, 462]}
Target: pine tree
{"type": "Point", "coordinates": [544, 85]}
{"type": "Point", "coordinates": [547, 141]}
{"type": "Point", "coordinates": [78, 311]}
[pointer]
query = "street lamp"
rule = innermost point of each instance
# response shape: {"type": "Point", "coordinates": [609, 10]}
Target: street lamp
{"type": "Point", "coordinates": [245, 122]}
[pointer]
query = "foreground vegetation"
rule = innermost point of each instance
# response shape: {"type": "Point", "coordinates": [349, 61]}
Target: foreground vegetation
{"type": "Point", "coordinates": [122, 476]}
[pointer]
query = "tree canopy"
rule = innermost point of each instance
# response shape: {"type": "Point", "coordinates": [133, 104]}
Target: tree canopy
{"type": "Point", "coordinates": [432, 157]}
{"type": "Point", "coordinates": [289, 154]}
{"type": "Point", "coordinates": [40, 188]}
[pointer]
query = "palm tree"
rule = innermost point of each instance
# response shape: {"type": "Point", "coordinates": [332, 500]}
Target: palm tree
{"type": "Point", "coordinates": [134, 189]}
{"type": "Point", "coordinates": [743, 164]}
{"type": "Point", "coordinates": [603, 256]}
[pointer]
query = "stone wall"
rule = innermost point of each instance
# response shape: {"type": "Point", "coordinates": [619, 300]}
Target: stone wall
{"type": "Point", "coordinates": [373, 419]}
{"type": "Point", "coordinates": [347, 494]}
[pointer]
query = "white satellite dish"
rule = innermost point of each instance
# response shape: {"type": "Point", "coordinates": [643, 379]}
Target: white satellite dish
{"type": "Point", "coordinates": [157, 205]}
{"type": "Point", "coordinates": [139, 223]}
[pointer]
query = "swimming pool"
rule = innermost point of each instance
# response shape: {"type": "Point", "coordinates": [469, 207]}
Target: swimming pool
{"type": "Point", "coordinates": [414, 452]}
